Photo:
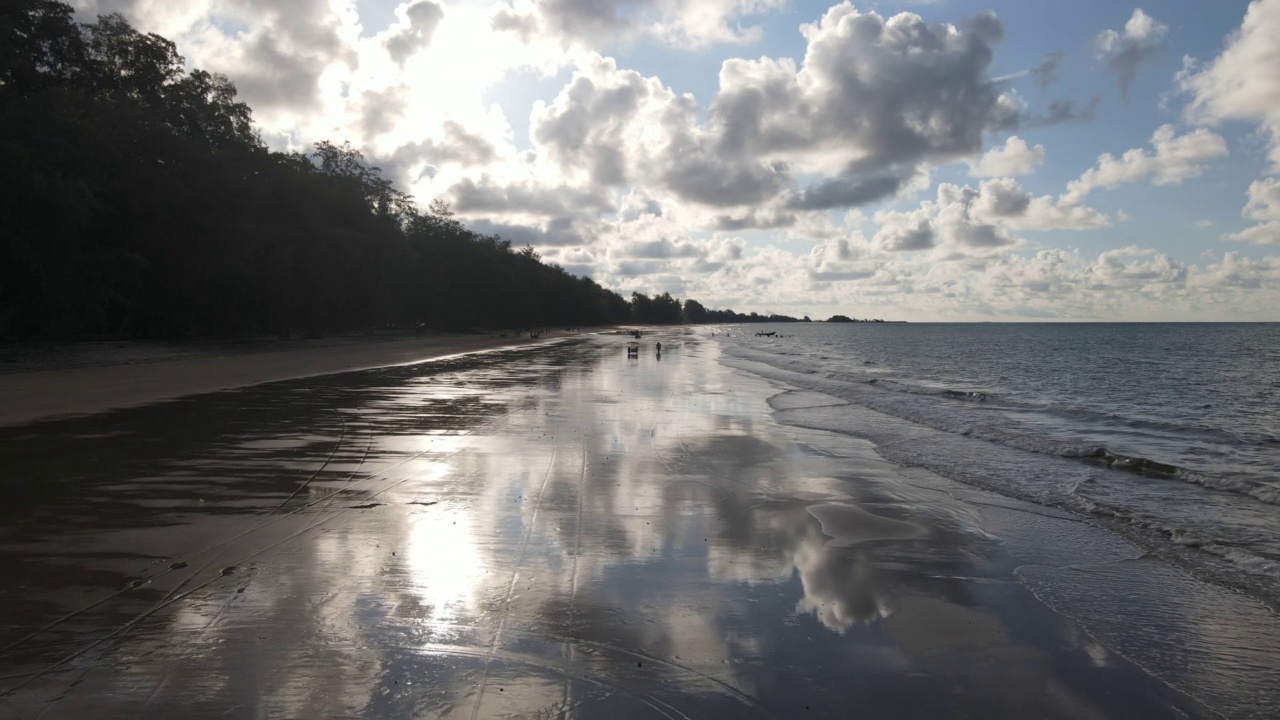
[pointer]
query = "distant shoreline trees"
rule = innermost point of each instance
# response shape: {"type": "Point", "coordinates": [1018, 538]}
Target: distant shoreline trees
{"type": "Point", "coordinates": [847, 319]}
{"type": "Point", "coordinates": [137, 200]}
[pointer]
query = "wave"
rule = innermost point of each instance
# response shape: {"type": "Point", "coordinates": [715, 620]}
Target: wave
{"type": "Point", "coordinates": [896, 386]}
{"type": "Point", "coordinates": [1206, 432]}
{"type": "Point", "coordinates": [973, 417]}
{"type": "Point", "coordinates": [1242, 558]}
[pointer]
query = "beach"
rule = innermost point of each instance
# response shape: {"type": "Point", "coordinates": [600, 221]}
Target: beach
{"type": "Point", "coordinates": [559, 530]}
{"type": "Point", "coordinates": [106, 376]}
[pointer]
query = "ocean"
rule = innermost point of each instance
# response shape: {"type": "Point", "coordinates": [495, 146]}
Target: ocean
{"type": "Point", "coordinates": [1168, 434]}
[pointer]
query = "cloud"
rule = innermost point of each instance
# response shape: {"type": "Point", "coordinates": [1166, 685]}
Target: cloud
{"type": "Point", "coordinates": [1125, 51]}
{"type": "Point", "coordinates": [1236, 273]}
{"type": "Point", "coordinates": [1012, 158]}
{"type": "Point", "coordinates": [1062, 111]}
{"type": "Point", "coordinates": [637, 204]}
{"type": "Point", "coordinates": [1242, 83]}
{"type": "Point", "coordinates": [165, 18]}
{"type": "Point", "coordinates": [454, 145]}
{"type": "Point", "coordinates": [489, 197]}
{"type": "Point", "coordinates": [872, 97]}
{"type": "Point", "coordinates": [690, 24]}
{"type": "Point", "coordinates": [419, 22]}
{"type": "Point", "coordinates": [613, 127]}
{"type": "Point", "coordinates": [1004, 201]}
{"type": "Point", "coordinates": [643, 187]}
{"type": "Point", "coordinates": [968, 219]}
{"type": "Point", "coordinates": [718, 181]}
{"type": "Point", "coordinates": [906, 232]}
{"type": "Point", "coordinates": [843, 273]}
{"type": "Point", "coordinates": [1264, 200]}
{"type": "Point", "coordinates": [563, 231]}
{"type": "Point", "coordinates": [381, 109]}
{"type": "Point", "coordinates": [845, 192]}
{"type": "Point", "coordinates": [279, 62]}
{"type": "Point", "coordinates": [757, 219]}
{"type": "Point", "coordinates": [1173, 158]}
{"type": "Point", "coordinates": [962, 229]}
{"type": "Point", "coordinates": [1264, 205]}
{"type": "Point", "coordinates": [1125, 268]}
{"type": "Point", "coordinates": [1045, 73]}
{"type": "Point", "coordinates": [872, 93]}
{"type": "Point", "coordinates": [460, 145]}
{"type": "Point", "coordinates": [563, 18]}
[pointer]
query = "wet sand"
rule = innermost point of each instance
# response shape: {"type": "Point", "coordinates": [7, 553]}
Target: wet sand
{"type": "Point", "coordinates": [550, 531]}
{"type": "Point", "coordinates": [108, 378]}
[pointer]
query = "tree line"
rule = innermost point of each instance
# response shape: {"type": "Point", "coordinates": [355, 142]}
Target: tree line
{"type": "Point", "coordinates": [137, 200]}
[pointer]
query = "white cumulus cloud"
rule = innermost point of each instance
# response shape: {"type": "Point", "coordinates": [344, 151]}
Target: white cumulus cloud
{"type": "Point", "coordinates": [1264, 205]}
{"type": "Point", "coordinates": [1243, 82]}
{"type": "Point", "coordinates": [1011, 159]}
{"type": "Point", "coordinates": [1172, 159]}
{"type": "Point", "coordinates": [1124, 51]}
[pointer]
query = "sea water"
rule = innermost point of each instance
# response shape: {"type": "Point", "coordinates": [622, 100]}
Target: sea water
{"type": "Point", "coordinates": [1166, 433]}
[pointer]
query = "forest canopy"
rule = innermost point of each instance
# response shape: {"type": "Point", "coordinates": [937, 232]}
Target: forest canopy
{"type": "Point", "coordinates": [137, 200]}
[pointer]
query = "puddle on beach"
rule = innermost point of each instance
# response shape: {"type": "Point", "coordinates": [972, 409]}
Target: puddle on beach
{"type": "Point", "coordinates": [557, 532]}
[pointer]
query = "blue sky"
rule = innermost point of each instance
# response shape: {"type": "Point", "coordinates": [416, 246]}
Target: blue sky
{"type": "Point", "coordinates": [894, 159]}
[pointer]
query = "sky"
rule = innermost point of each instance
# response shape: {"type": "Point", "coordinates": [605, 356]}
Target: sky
{"type": "Point", "coordinates": [949, 160]}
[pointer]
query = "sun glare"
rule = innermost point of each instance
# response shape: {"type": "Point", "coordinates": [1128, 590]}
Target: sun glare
{"type": "Point", "coordinates": [444, 564]}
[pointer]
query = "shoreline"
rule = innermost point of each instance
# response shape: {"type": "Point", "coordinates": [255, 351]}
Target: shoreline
{"type": "Point", "coordinates": [132, 374]}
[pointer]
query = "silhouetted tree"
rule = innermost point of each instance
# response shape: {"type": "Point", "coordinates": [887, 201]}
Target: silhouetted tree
{"type": "Point", "coordinates": [694, 312]}
{"type": "Point", "coordinates": [136, 199]}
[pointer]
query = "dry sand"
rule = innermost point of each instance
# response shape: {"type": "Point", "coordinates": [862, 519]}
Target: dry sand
{"type": "Point", "coordinates": [109, 376]}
